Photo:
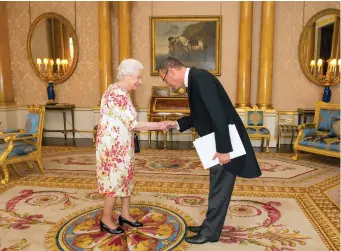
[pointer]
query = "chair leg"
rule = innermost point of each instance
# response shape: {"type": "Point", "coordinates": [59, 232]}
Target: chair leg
{"type": "Point", "coordinates": [292, 137]}
{"type": "Point", "coordinates": [262, 143]}
{"type": "Point", "coordinates": [94, 132]}
{"type": "Point", "coordinates": [6, 175]}
{"type": "Point", "coordinates": [149, 138]}
{"type": "Point", "coordinates": [40, 165]}
{"type": "Point", "coordinates": [29, 163]}
{"type": "Point", "coordinates": [16, 170]}
{"type": "Point", "coordinates": [157, 135]}
{"type": "Point", "coordinates": [267, 144]}
{"type": "Point", "coordinates": [279, 140]}
{"type": "Point", "coordinates": [296, 155]}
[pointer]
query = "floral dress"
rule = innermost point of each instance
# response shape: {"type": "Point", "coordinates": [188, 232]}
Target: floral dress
{"type": "Point", "coordinates": [115, 143]}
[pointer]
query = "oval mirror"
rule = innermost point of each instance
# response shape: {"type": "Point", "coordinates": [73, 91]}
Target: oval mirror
{"type": "Point", "coordinates": [319, 48]}
{"type": "Point", "coordinates": [52, 47]}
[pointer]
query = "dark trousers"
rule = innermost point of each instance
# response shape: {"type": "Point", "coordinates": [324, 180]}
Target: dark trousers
{"type": "Point", "coordinates": [221, 187]}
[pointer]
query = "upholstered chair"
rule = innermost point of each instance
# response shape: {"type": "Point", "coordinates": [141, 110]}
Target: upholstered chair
{"type": "Point", "coordinates": [23, 145]}
{"type": "Point", "coordinates": [322, 136]}
{"type": "Point", "coordinates": [255, 125]}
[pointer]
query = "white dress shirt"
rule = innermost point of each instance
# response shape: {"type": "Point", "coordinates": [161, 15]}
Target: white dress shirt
{"type": "Point", "coordinates": [186, 77]}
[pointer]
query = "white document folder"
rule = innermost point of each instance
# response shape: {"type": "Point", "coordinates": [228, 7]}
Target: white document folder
{"type": "Point", "coordinates": [206, 147]}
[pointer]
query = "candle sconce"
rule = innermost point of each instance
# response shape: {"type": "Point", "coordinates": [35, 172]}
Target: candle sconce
{"type": "Point", "coordinates": [331, 76]}
{"type": "Point", "coordinates": [52, 47]}
{"type": "Point", "coordinates": [52, 70]}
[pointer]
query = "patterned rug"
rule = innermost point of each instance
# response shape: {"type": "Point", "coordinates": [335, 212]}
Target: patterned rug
{"type": "Point", "coordinates": [276, 168]}
{"type": "Point", "coordinates": [295, 208]}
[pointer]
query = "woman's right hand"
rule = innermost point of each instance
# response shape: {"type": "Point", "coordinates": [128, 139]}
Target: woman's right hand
{"type": "Point", "coordinates": [163, 125]}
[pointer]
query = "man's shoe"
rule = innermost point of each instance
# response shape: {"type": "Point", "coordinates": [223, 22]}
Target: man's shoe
{"type": "Point", "coordinates": [195, 229]}
{"type": "Point", "coordinates": [198, 239]}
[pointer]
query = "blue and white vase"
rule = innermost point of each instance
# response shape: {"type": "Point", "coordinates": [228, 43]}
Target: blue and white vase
{"type": "Point", "coordinates": [50, 93]}
{"type": "Point", "coordinates": [327, 93]}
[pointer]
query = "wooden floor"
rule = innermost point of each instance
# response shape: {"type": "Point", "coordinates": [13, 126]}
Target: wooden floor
{"type": "Point", "coordinates": [176, 145]}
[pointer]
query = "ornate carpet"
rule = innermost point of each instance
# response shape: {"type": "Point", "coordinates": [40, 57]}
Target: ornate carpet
{"type": "Point", "coordinates": [293, 206]}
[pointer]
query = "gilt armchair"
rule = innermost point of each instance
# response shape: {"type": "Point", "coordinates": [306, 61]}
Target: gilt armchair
{"type": "Point", "coordinates": [322, 136]}
{"type": "Point", "coordinates": [23, 145]}
{"type": "Point", "coordinates": [255, 125]}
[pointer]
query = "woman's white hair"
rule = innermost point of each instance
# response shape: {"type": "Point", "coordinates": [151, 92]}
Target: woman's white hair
{"type": "Point", "coordinates": [128, 67]}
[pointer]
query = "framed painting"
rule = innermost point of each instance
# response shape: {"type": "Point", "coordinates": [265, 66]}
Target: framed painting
{"type": "Point", "coordinates": [194, 40]}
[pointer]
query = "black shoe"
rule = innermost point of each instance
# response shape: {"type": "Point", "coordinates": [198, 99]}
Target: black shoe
{"type": "Point", "coordinates": [199, 239]}
{"type": "Point", "coordinates": [105, 228]}
{"type": "Point", "coordinates": [121, 221]}
{"type": "Point", "coordinates": [195, 229]}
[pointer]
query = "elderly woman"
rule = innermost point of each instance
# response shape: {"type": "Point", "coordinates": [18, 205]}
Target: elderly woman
{"type": "Point", "coordinates": [115, 145]}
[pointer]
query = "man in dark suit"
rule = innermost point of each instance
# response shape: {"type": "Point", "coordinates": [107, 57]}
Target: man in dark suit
{"type": "Point", "coordinates": [211, 111]}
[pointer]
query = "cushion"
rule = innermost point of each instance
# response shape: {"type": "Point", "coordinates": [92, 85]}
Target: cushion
{"type": "Point", "coordinates": [325, 119]}
{"type": "Point", "coordinates": [32, 122]}
{"type": "Point", "coordinates": [255, 118]}
{"type": "Point", "coordinates": [309, 131]}
{"type": "Point", "coordinates": [20, 148]}
{"type": "Point", "coordinates": [335, 131]}
{"type": "Point", "coordinates": [257, 130]}
{"type": "Point", "coordinates": [11, 130]}
{"type": "Point", "coordinates": [321, 142]}
{"type": "Point", "coordinates": [24, 135]}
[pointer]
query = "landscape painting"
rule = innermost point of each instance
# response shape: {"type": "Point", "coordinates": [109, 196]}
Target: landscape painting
{"type": "Point", "coordinates": [195, 41]}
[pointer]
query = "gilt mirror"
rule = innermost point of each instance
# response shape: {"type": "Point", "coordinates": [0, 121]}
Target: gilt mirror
{"type": "Point", "coordinates": [52, 47]}
{"type": "Point", "coordinates": [319, 48]}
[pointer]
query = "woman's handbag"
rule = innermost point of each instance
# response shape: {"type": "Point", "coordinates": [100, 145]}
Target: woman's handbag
{"type": "Point", "coordinates": [136, 143]}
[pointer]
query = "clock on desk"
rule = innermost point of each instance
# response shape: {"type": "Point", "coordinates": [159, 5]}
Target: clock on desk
{"type": "Point", "coordinates": [179, 92]}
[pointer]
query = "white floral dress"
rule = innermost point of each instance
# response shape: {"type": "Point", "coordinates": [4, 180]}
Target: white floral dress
{"type": "Point", "coordinates": [115, 144]}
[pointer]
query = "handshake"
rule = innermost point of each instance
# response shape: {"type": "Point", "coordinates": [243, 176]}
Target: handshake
{"type": "Point", "coordinates": [166, 125]}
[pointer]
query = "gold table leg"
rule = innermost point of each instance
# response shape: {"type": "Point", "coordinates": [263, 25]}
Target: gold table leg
{"type": "Point", "coordinates": [149, 138]}
{"type": "Point", "coordinates": [164, 135]}
{"type": "Point", "coordinates": [164, 139]}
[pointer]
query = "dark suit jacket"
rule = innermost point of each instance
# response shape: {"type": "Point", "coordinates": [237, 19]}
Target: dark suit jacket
{"type": "Point", "coordinates": [212, 111]}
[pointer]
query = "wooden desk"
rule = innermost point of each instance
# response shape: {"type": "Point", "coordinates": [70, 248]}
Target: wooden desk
{"type": "Point", "coordinates": [305, 112]}
{"type": "Point", "coordinates": [164, 106]}
{"type": "Point", "coordinates": [64, 108]}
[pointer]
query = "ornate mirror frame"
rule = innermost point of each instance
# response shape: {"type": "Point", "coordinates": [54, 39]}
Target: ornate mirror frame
{"type": "Point", "coordinates": [304, 37]}
{"type": "Point", "coordinates": [72, 31]}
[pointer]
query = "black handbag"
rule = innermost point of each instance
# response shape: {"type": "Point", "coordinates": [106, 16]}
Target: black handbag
{"type": "Point", "coordinates": [136, 143]}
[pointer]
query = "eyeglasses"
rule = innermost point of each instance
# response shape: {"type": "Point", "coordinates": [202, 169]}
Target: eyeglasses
{"type": "Point", "coordinates": [164, 78]}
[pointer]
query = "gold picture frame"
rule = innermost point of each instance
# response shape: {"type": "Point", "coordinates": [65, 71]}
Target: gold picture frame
{"type": "Point", "coordinates": [194, 40]}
